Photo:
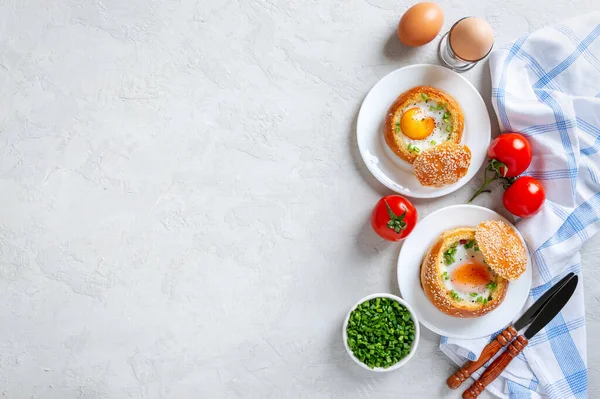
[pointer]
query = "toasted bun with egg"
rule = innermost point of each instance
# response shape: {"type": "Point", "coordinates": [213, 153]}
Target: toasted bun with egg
{"type": "Point", "coordinates": [392, 132]}
{"type": "Point", "coordinates": [502, 248]}
{"type": "Point", "coordinates": [442, 165]}
{"type": "Point", "coordinates": [435, 283]}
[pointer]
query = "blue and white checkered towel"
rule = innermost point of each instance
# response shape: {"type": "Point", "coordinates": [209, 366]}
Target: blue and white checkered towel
{"type": "Point", "coordinates": [547, 86]}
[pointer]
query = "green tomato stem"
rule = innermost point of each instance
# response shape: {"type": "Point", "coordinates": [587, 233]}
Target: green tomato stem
{"type": "Point", "coordinates": [395, 223]}
{"type": "Point", "coordinates": [498, 170]}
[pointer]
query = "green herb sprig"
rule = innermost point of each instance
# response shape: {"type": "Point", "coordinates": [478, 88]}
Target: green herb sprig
{"type": "Point", "coordinates": [380, 332]}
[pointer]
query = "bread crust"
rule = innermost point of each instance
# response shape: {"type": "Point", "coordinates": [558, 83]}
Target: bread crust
{"type": "Point", "coordinates": [442, 165]}
{"type": "Point", "coordinates": [502, 248]}
{"type": "Point", "coordinates": [433, 285]}
{"type": "Point", "coordinates": [396, 141]}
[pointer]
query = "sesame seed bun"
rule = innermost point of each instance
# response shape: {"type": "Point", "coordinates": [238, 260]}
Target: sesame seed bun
{"type": "Point", "coordinates": [502, 248]}
{"type": "Point", "coordinates": [432, 278]}
{"type": "Point", "coordinates": [442, 165]}
{"type": "Point", "coordinates": [397, 141]}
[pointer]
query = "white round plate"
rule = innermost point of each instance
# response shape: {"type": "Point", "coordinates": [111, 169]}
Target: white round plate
{"type": "Point", "coordinates": [409, 264]}
{"type": "Point", "coordinates": [392, 171]}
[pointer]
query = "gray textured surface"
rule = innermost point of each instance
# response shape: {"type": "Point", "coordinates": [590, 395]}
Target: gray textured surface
{"type": "Point", "coordinates": [184, 210]}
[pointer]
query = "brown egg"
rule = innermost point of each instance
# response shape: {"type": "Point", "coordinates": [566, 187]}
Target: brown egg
{"type": "Point", "coordinates": [471, 38]}
{"type": "Point", "coordinates": [420, 24]}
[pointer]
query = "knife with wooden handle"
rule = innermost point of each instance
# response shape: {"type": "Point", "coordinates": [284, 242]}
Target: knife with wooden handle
{"type": "Point", "coordinates": [506, 336]}
{"type": "Point", "coordinates": [503, 339]}
{"type": "Point", "coordinates": [545, 316]}
{"type": "Point", "coordinates": [494, 370]}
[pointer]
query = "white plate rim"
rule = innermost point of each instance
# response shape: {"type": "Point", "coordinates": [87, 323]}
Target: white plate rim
{"type": "Point", "coordinates": [422, 319]}
{"type": "Point", "coordinates": [440, 191]}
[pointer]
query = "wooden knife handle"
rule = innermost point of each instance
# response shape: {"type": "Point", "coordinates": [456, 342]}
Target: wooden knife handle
{"type": "Point", "coordinates": [503, 339]}
{"type": "Point", "coordinates": [492, 372]}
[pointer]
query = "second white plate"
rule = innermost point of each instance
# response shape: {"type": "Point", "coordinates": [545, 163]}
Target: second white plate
{"type": "Point", "coordinates": [409, 266]}
{"type": "Point", "coordinates": [392, 171]}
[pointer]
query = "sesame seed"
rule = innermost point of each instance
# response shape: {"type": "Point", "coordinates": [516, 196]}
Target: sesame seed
{"type": "Point", "coordinates": [502, 248]}
{"type": "Point", "coordinates": [442, 165]}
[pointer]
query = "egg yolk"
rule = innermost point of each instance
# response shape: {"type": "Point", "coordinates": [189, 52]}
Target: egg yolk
{"type": "Point", "coordinates": [416, 125]}
{"type": "Point", "coordinates": [471, 276]}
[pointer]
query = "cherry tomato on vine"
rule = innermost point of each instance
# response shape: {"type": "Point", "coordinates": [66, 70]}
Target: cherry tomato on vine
{"type": "Point", "coordinates": [524, 197]}
{"type": "Point", "coordinates": [513, 150]}
{"type": "Point", "coordinates": [510, 155]}
{"type": "Point", "coordinates": [393, 217]}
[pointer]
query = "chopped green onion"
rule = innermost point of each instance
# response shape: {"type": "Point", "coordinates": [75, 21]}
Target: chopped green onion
{"type": "Point", "coordinates": [449, 254]}
{"type": "Point", "coordinates": [491, 285]}
{"type": "Point", "coordinates": [473, 294]}
{"type": "Point", "coordinates": [455, 296]}
{"type": "Point", "coordinates": [449, 128]}
{"type": "Point", "coordinates": [470, 244]}
{"type": "Point", "coordinates": [446, 115]}
{"type": "Point", "coordinates": [433, 142]}
{"type": "Point", "coordinates": [431, 108]}
{"type": "Point", "coordinates": [397, 130]}
{"type": "Point", "coordinates": [439, 107]}
{"type": "Point", "coordinates": [485, 301]}
{"type": "Point", "coordinates": [424, 96]}
{"type": "Point", "coordinates": [380, 332]}
{"type": "Point", "coordinates": [480, 299]}
{"type": "Point", "coordinates": [413, 148]}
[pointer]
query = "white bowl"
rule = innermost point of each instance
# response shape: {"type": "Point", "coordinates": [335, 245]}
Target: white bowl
{"type": "Point", "coordinates": [415, 343]}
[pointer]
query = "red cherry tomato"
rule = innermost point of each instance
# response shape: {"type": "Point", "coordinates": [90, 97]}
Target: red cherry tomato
{"type": "Point", "coordinates": [513, 150]}
{"type": "Point", "coordinates": [394, 217]}
{"type": "Point", "coordinates": [524, 197]}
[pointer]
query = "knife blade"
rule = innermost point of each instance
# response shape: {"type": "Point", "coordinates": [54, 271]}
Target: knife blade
{"type": "Point", "coordinates": [552, 308]}
{"type": "Point", "coordinates": [533, 311]}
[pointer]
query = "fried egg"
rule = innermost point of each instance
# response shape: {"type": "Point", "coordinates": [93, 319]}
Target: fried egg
{"type": "Point", "coordinates": [468, 277]}
{"type": "Point", "coordinates": [424, 124]}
